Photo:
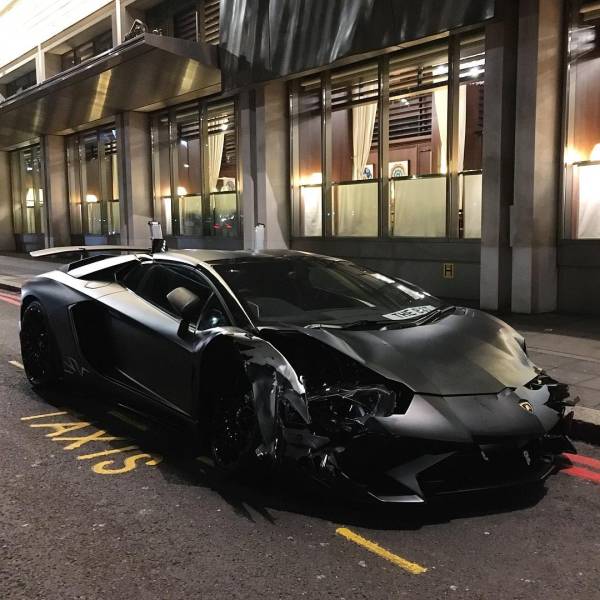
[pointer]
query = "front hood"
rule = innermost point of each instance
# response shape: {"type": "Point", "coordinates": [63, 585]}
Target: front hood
{"type": "Point", "coordinates": [468, 352]}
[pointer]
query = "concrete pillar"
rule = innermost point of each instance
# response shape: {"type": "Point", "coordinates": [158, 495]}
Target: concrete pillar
{"type": "Point", "coordinates": [272, 164]}
{"type": "Point", "coordinates": [56, 194]}
{"type": "Point", "coordinates": [136, 177]}
{"type": "Point", "coordinates": [7, 238]}
{"type": "Point", "coordinates": [498, 157]}
{"type": "Point", "coordinates": [534, 215]}
{"type": "Point", "coordinates": [247, 166]}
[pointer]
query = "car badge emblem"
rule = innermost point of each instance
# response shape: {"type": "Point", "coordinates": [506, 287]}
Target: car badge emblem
{"type": "Point", "coordinates": [526, 406]}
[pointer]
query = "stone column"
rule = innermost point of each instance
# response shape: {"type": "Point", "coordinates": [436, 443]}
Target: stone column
{"type": "Point", "coordinates": [7, 238]}
{"type": "Point", "coordinates": [498, 157]}
{"type": "Point", "coordinates": [135, 178]}
{"type": "Point", "coordinates": [247, 166]}
{"type": "Point", "coordinates": [534, 215]}
{"type": "Point", "coordinates": [56, 193]}
{"type": "Point", "coordinates": [272, 180]}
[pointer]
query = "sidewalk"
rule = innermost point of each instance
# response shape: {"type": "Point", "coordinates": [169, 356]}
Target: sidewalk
{"type": "Point", "coordinates": [566, 346]}
{"type": "Point", "coordinates": [16, 269]}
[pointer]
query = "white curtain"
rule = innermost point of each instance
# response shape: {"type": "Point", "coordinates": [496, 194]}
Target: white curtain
{"type": "Point", "coordinates": [357, 204]}
{"type": "Point", "coordinates": [215, 155]}
{"type": "Point", "coordinates": [363, 122]}
{"type": "Point", "coordinates": [462, 121]}
{"type": "Point", "coordinates": [440, 105]}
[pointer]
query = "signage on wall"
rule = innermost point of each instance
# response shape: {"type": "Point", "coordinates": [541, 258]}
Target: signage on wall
{"type": "Point", "coordinates": [448, 270]}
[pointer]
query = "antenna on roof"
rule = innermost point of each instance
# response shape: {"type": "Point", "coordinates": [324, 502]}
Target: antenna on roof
{"type": "Point", "coordinates": [159, 244]}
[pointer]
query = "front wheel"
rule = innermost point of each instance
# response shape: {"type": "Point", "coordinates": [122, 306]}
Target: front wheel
{"type": "Point", "coordinates": [38, 350]}
{"type": "Point", "coordinates": [234, 435]}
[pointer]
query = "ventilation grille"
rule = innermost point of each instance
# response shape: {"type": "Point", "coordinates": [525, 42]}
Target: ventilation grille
{"type": "Point", "coordinates": [211, 21]}
{"type": "Point", "coordinates": [185, 24]}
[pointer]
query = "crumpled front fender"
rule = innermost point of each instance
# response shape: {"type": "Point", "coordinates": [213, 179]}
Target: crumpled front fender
{"type": "Point", "coordinates": [272, 378]}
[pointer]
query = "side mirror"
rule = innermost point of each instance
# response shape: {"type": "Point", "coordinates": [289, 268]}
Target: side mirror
{"type": "Point", "coordinates": [185, 303]}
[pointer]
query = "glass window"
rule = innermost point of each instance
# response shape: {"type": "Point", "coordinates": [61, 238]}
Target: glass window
{"type": "Point", "coordinates": [94, 179]}
{"type": "Point", "coordinates": [161, 170]}
{"type": "Point", "coordinates": [354, 168]}
{"type": "Point", "coordinates": [344, 153]}
{"type": "Point", "coordinates": [470, 134]}
{"type": "Point", "coordinates": [307, 175]}
{"type": "Point", "coordinates": [186, 20]}
{"type": "Point", "coordinates": [21, 83]}
{"type": "Point", "coordinates": [195, 169]}
{"type": "Point", "coordinates": [187, 213]}
{"type": "Point", "coordinates": [418, 142]}
{"type": "Point", "coordinates": [97, 45]}
{"type": "Point", "coordinates": [582, 144]}
{"type": "Point", "coordinates": [27, 190]}
{"type": "Point", "coordinates": [222, 168]}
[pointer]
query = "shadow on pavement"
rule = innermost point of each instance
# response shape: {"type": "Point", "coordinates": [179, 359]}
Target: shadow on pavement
{"type": "Point", "coordinates": [284, 489]}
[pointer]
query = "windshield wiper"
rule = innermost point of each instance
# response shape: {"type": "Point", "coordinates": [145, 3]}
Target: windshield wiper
{"type": "Point", "coordinates": [436, 315]}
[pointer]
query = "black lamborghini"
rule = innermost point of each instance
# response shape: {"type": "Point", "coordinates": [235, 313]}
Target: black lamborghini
{"type": "Point", "coordinates": [365, 381]}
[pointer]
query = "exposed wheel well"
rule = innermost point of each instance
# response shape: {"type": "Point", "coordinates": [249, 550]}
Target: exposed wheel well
{"type": "Point", "coordinates": [221, 372]}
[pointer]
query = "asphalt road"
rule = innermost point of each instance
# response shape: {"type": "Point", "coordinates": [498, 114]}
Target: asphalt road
{"type": "Point", "coordinates": [86, 516]}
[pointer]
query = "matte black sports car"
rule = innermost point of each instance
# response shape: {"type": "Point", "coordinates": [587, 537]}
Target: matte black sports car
{"type": "Point", "coordinates": [363, 380]}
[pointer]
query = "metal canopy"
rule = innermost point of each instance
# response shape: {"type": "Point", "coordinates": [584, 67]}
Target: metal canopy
{"type": "Point", "coordinates": [137, 75]}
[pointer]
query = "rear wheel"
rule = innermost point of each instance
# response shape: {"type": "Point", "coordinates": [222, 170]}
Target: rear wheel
{"type": "Point", "coordinates": [234, 435]}
{"type": "Point", "coordinates": [38, 350]}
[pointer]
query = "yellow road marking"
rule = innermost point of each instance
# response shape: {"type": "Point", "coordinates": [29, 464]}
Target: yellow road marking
{"type": "Point", "coordinates": [16, 363]}
{"type": "Point", "coordinates": [54, 414]}
{"type": "Point", "coordinates": [106, 452]}
{"type": "Point", "coordinates": [377, 549]}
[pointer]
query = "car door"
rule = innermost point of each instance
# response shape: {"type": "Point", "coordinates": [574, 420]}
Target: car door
{"type": "Point", "coordinates": [151, 352]}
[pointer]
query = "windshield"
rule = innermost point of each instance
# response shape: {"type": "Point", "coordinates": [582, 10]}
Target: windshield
{"type": "Point", "coordinates": [314, 291]}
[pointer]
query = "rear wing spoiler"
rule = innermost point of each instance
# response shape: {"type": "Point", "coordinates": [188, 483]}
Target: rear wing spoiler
{"type": "Point", "coordinates": [84, 251]}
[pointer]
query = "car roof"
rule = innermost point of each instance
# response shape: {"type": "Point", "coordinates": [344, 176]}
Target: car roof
{"type": "Point", "coordinates": [195, 256]}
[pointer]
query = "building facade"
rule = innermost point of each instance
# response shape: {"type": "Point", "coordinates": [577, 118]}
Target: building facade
{"type": "Point", "coordinates": [455, 143]}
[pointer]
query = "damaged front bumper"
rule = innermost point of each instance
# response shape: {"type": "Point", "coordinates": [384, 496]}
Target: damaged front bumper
{"type": "Point", "coordinates": [434, 446]}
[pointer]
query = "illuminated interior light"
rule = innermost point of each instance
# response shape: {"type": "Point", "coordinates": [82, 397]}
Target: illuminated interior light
{"type": "Point", "coordinates": [91, 198]}
{"type": "Point", "coordinates": [30, 198]}
{"type": "Point", "coordinates": [312, 179]}
{"type": "Point", "coordinates": [181, 191]}
{"type": "Point", "coordinates": [595, 153]}
{"type": "Point", "coordinates": [572, 156]}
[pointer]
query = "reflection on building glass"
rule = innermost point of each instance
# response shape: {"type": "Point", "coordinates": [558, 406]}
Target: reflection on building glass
{"type": "Point", "coordinates": [582, 144]}
{"type": "Point", "coordinates": [195, 170]}
{"type": "Point", "coordinates": [93, 177]}
{"type": "Point", "coordinates": [27, 190]}
{"type": "Point", "coordinates": [348, 159]}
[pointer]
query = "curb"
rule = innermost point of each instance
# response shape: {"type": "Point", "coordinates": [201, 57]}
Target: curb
{"type": "Point", "coordinates": [10, 287]}
{"type": "Point", "coordinates": [586, 425]}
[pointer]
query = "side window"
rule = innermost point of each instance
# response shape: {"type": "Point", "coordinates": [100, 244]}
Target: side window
{"type": "Point", "coordinates": [153, 281]}
{"type": "Point", "coordinates": [133, 275]}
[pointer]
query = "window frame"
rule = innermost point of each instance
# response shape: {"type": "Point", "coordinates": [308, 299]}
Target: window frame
{"type": "Point", "coordinates": [171, 155]}
{"type": "Point", "coordinates": [454, 229]}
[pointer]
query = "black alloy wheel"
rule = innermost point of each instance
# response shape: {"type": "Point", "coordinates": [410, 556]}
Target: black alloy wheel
{"type": "Point", "coordinates": [234, 433]}
{"type": "Point", "coordinates": [40, 357]}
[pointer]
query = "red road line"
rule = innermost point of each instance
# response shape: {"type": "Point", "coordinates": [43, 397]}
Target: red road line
{"type": "Point", "coordinates": [582, 473]}
{"type": "Point", "coordinates": [583, 460]}
{"type": "Point", "coordinates": [10, 299]}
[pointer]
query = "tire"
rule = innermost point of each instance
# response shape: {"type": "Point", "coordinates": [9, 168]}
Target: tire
{"type": "Point", "coordinates": [234, 433]}
{"type": "Point", "coordinates": [38, 349]}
